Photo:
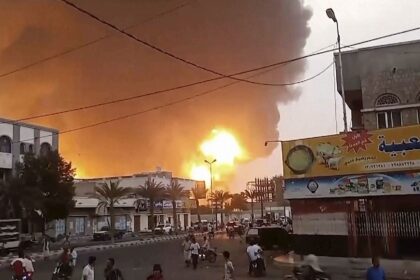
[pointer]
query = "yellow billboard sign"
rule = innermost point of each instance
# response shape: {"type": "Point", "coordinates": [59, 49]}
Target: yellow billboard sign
{"type": "Point", "coordinates": [394, 149]}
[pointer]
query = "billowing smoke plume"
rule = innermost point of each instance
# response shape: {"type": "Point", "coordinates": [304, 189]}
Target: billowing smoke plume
{"type": "Point", "coordinates": [227, 36]}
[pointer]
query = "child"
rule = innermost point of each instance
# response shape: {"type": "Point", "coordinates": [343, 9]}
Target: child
{"type": "Point", "coordinates": [229, 270]}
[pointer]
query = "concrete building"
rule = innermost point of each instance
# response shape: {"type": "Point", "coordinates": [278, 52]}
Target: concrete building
{"type": "Point", "coordinates": [86, 217]}
{"type": "Point", "coordinates": [382, 85]}
{"type": "Point", "coordinates": [358, 193]}
{"type": "Point", "coordinates": [17, 138]}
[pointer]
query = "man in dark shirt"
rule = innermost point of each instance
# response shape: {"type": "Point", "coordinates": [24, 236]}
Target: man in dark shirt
{"type": "Point", "coordinates": [112, 273]}
{"type": "Point", "coordinates": [375, 272]}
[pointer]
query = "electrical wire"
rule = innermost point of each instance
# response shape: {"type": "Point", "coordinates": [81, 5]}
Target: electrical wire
{"type": "Point", "coordinates": [70, 50]}
{"type": "Point", "coordinates": [171, 104]}
{"type": "Point", "coordinates": [167, 53]}
{"type": "Point", "coordinates": [208, 80]}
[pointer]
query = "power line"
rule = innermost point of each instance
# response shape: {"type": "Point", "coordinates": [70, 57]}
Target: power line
{"type": "Point", "coordinates": [209, 80]}
{"type": "Point", "coordinates": [70, 50]}
{"type": "Point", "coordinates": [175, 102]}
{"type": "Point", "coordinates": [161, 50]}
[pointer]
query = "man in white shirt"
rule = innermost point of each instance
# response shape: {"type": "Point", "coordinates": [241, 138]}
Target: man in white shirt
{"type": "Point", "coordinates": [88, 270]}
{"type": "Point", "coordinates": [195, 250]}
{"type": "Point", "coordinates": [254, 252]}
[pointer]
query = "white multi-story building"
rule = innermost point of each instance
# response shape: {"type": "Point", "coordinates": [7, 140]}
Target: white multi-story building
{"type": "Point", "coordinates": [18, 138]}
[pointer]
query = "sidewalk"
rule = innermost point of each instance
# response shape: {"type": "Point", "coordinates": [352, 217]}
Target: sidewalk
{"type": "Point", "coordinates": [39, 256]}
{"type": "Point", "coordinates": [355, 268]}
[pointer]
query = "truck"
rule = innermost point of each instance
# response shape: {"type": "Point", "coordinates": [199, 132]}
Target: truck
{"type": "Point", "coordinates": [9, 235]}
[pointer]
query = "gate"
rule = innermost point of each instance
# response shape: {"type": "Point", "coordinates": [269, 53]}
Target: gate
{"type": "Point", "coordinates": [388, 233]}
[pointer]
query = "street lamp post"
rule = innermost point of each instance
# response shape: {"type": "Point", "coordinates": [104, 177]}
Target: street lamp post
{"type": "Point", "coordinates": [210, 163]}
{"type": "Point", "coordinates": [331, 15]}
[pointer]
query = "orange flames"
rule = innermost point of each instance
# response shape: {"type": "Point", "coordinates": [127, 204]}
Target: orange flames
{"type": "Point", "coordinates": [222, 146]}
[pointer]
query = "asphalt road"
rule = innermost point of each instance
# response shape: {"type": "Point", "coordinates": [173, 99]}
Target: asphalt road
{"type": "Point", "coordinates": [136, 262]}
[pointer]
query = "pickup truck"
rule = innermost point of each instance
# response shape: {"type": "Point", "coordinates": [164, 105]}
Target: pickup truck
{"type": "Point", "coordinates": [105, 234]}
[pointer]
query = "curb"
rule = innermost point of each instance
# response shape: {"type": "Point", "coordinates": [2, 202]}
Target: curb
{"type": "Point", "coordinates": [4, 262]}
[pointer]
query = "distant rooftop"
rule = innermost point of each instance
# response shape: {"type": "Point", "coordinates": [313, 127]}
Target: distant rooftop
{"type": "Point", "coordinates": [25, 124]}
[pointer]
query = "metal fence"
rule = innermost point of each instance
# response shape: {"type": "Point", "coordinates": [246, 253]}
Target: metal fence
{"type": "Point", "coordinates": [386, 224]}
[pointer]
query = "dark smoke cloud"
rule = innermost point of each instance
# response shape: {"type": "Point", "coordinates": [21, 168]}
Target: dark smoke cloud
{"type": "Point", "coordinates": [227, 36]}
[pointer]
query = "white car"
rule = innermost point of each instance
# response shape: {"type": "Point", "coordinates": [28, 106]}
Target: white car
{"type": "Point", "coordinates": [163, 229]}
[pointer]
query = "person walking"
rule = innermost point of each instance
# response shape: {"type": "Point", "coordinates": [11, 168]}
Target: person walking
{"type": "Point", "coordinates": [195, 251]}
{"type": "Point", "coordinates": [186, 247]}
{"type": "Point", "coordinates": [376, 271]}
{"type": "Point", "coordinates": [156, 274]}
{"type": "Point", "coordinates": [112, 273]}
{"type": "Point", "coordinates": [73, 257]}
{"type": "Point", "coordinates": [89, 270]}
{"type": "Point", "coordinates": [229, 269]}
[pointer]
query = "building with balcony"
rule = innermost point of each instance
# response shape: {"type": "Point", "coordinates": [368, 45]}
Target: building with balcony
{"type": "Point", "coordinates": [357, 193]}
{"type": "Point", "coordinates": [382, 85]}
{"type": "Point", "coordinates": [18, 138]}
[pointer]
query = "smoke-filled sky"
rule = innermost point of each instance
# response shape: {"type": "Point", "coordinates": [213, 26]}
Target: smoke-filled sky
{"type": "Point", "coordinates": [227, 36]}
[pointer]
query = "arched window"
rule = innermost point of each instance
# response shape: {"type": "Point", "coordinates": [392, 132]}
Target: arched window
{"type": "Point", "coordinates": [387, 99]}
{"type": "Point", "coordinates": [45, 149]}
{"type": "Point", "coordinates": [391, 118]}
{"type": "Point", "coordinates": [31, 148]}
{"type": "Point", "coordinates": [22, 148]}
{"type": "Point", "coordinates": [5, 144]}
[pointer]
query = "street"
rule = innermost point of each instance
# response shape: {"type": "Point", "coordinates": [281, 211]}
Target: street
{"type": "Point", "coordinates": [136, 262]}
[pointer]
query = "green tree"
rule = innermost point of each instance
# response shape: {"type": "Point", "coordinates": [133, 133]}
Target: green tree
{"type": "Point", "coordinates": [252, 196]}
{"type": "Point", "coordinates": [49, 181]}
{"type": "Point", "coordinates": [198, 193]}
{"type": "Point", "coordinates": [221, 197]}
{"type": "Point", "coordinates": [109, 194]}
{"type": "Point", "coordinates": [153, 191]}
{"type": "Point", "coordinates": [175, 192]}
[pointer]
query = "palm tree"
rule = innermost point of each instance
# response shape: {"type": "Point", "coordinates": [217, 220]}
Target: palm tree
{"type": "Point", "coordinates": [198, 194]}
{"type": "Point", "coordinates": [109, 194]}
{"type": "Point", "coordinates": [222, 197]}
{"type": "Point", "coordinates": [174, 192]}
{"type": "Point", "coordinates": [252, 195]}
{"type": "Point", "coordinates": [153, 191]}
{"type": "Point", "coordinates": [238, 201]}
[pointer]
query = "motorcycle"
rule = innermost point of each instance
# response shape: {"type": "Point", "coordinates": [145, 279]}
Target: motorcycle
{"type": "Point", "coordinates": [298, 274]}
{"type": "Point", "coordinates": [209, 255]}
{"type": "Point", "coordinates": [231, 232]}
{"type": "Point", "coordinates": [62, 272]}
{"type": "Point", "coordinates": [258, 266]}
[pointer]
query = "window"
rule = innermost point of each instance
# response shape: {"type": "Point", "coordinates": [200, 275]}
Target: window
{"type": "Point", "coordinates": [387, 99]}
{"type": "Point", "coordinates": [45, 149]}
{"type": "Point", "coordinates": [31, 148]}
{"type": "Point", "coordinates": [5, 144]}
{"type": "Point", "coordinates": [22, 148]}
{"type": "Point", "coordinates": [389, 119]}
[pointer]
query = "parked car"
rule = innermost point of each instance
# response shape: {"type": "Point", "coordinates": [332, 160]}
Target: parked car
{"type": "Point", "coordinates": [269, 237]}
{"type": "Point", "coordinates": [163, 229]}
{"type": "Point", "coordinates": [105, 234]}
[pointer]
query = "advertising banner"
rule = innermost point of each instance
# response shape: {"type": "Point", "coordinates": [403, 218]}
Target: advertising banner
{"type": "Point", "coordinates": [386, 150]}
{"type": "Point", "coordinates": [376, 184]}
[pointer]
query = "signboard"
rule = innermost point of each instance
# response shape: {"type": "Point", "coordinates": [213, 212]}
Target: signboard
{"type": "Point", "coordinates": [394, 149]}
{"type": "Point", "coordinates": [143, 204]}
{"type": "Point", "coordinates": [362, 185]}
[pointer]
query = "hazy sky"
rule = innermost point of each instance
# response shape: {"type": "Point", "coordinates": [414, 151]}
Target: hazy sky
{"type": "Point", "coordinates": [227, 36]}
{"type": "Point", "coordinates": [313, 114]}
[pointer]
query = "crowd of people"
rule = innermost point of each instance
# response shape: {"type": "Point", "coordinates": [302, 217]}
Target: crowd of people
{"type": "Point", "coordinates": [22, 267]}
